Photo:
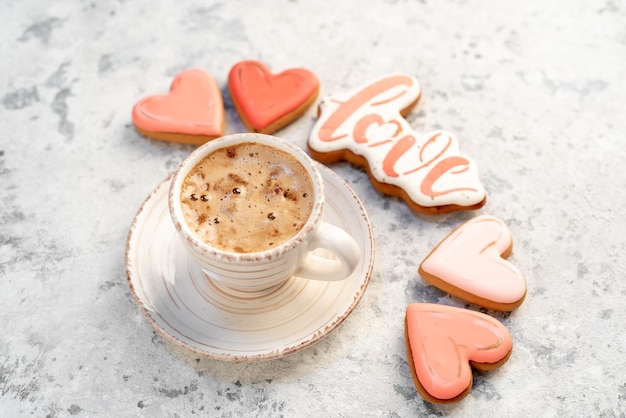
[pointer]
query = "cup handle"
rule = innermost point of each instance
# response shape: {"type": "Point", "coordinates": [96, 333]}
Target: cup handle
{"type": "Point", "coordinates": [340, 243]}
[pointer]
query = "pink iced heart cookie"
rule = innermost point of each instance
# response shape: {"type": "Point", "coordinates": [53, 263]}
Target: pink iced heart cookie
{"type": "Point", "coordinates": [443, 343]}
{"type": "Point", "coordinates": [191, 113]}
{"type": "Point", "coordinates": [267, 102]}
{"type": "Point", "coordinates": [470, 264]}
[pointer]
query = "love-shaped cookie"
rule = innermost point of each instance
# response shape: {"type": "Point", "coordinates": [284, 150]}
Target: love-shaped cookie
{"type": "Point", "coordinates": [470, 264]}
{"type": "Point", "coordinates": [444, 342]}
{"type": "Point", "coordinates": [191, 113]}
{"type": "Point", "coordinates": [267, 102]}
{"type": "Point", "coordinates": [366, 127]}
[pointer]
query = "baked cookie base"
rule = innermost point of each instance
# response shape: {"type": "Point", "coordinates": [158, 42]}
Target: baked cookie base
{"type": "Point", "coordinates": [388, 189]}
{"type": "Point", "coordinates": [178, 137]}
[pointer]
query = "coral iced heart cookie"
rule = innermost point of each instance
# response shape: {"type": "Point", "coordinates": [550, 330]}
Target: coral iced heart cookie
{"type": "Point", "coordinates": [267, 102]}
{"type": "Point", "coordinates": [444, 342]}
{"type": "Point", "coordinates": [469, 263]}
{"type": "Point", "coordinates": [366, 127]}
{"type": "Point", "coordinates": [191, 113]}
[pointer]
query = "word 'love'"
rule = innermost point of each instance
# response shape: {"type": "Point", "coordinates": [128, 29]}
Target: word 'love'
{"type": "Point", "coordinates": [367, 127]}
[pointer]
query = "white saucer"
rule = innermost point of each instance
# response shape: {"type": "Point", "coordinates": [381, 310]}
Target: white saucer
{"type": "Point", "coordinates": [188, 309]}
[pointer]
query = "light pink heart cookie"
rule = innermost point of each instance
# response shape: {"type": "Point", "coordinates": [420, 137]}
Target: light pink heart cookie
{"type": "Point", "coordinates": [191, 113]}
{"type": "Point", "coordinates": [470, 264]}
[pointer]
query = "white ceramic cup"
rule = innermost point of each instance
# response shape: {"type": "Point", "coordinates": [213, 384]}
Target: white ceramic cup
{"type": "Point", "coordinates": [250, 273]}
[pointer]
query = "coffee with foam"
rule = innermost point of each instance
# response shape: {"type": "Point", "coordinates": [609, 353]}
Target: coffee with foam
{"type": "Point", "coordinates": [247, 197]}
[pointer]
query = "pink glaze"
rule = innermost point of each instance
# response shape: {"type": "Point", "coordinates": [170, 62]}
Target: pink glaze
{"type": "Point", "coordinates": [444, 339]}
{"type": "Point", "coordinates": [470, 259]}
{"type": "Point", "coordinates": [263, 97]}
{"type": "Point", "coordinates": [193, 106]}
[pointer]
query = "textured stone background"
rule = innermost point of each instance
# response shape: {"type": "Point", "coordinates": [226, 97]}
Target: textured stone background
{"type": "Point", "coordinates": [534, 91]}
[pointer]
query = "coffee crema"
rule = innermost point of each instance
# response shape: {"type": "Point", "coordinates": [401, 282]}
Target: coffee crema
{"type": "Point", "coordinates": [247, 197]}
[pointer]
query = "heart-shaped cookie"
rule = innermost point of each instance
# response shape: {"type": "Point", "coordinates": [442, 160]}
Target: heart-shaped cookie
{"type": "Point", "coordinates": [444, 342]}
{"type": "Point", "coordinates": [469, 263]}
{"type": "Point", "coordinates": [267, 102]}
{"type": "Point", "coordinates": [191, 113]}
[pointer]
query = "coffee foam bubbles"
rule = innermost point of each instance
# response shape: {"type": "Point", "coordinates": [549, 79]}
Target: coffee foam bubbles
{"type": "Point", "coordinates": [247, 198]}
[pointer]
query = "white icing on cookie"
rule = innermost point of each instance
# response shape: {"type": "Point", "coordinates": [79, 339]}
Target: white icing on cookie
{"type": "Point", "coordinates": [429, 167]}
